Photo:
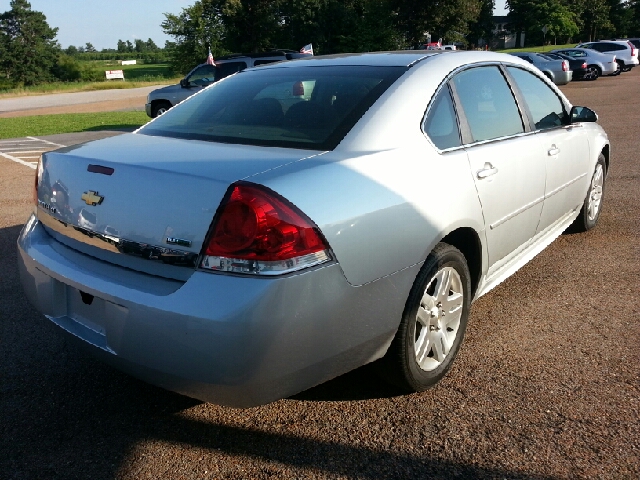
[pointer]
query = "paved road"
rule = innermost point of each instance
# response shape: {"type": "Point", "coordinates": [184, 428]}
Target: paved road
{"type": "Point", "coordinates": [77, 98]}
{"type": "Point", "coordinates": [546, 386]}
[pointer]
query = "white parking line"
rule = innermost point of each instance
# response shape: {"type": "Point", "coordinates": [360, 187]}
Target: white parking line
{"type": "Point", "coordinates": [46, 141]}
{"type": "Point", "coordinates": [15, 150]}
{"type": "Point", "coordinates": [21, 162]}
{"type": "Point", "coordinates": [26, 151]}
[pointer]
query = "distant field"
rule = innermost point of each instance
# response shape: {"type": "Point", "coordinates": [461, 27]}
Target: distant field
{"type": "Point", "coordinates": [135, 76]}
{"type": "Point", "coordinates": [69, 123]}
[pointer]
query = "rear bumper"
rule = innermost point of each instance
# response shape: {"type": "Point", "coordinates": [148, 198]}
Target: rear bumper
{"type": "Point", "coordinates": [562, 78]}
{"type": "Point", "coordinates": [225, 339]}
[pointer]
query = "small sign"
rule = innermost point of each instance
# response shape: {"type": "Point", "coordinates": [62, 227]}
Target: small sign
{"type": "Point", "coordinates": [544, 30]}
{"type": "Point", "coordinates": [114, 74]}
{"type": "Point", "coordinates": [128, 62]}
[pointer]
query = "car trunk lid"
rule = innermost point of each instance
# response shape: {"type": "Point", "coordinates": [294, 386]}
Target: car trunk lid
{"type": "Point", "coordinates": [133, 198]}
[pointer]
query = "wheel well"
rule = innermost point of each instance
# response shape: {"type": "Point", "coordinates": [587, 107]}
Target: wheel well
{"type": "Point", "coordinates": [606, 153]}
{"type": "Point", "coordinates": [467, 241]}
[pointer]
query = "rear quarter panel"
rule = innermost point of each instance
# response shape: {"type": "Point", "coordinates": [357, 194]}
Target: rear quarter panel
{"type": "Point", "coordinates": [385, 196]}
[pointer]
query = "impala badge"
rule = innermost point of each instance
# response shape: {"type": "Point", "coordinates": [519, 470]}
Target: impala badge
{"type": "Point", "coordinates": [92, 198]}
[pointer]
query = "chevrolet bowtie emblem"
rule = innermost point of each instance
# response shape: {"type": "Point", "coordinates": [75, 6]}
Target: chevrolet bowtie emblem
{"type": "Point", "coordinates": [92, 198]}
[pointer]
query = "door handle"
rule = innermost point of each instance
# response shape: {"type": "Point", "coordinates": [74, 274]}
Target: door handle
{"type": "Point", "coordinates": [553, 151]}
{"type": "Point", "coordinates": [486, 171]}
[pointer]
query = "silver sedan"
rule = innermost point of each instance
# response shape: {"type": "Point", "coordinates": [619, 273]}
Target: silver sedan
{"type": "Point", "coordinates": [294, 222]}
{"type": "Point", "coordinates": [598, 64]}
{"type": "Point", "coordinates": [557, 71]}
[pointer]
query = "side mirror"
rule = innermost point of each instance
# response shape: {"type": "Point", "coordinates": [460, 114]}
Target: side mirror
{"type": "Point", "coordinates": [583, 114]}
{"type": "Point", "coordinates": [184, 83]}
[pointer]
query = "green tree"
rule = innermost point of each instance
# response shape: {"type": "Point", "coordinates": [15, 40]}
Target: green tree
{"type": "Point", "coordinates": [71, 50]}
{"type": "Point", "coordinates": [446, 19]}
{"type": "Point", "coordinates": [483, 27]}
{"type": "Point", "coordinates": [151, 46]}
{"type": "Point", "coordinates": [196, 29]}
{"type": "Point", "coordinates": [252, 25]}
{"type": "Point", "coordinates": [89, 48]}
{"type": "Point", "coordinates": [531, 16]}
{"type": "Point", "coordinates": [140, 46]}
{"type": "Point", "coordinates": [28, 49]}
{"type": "Point", "coordinates": [122, 47]}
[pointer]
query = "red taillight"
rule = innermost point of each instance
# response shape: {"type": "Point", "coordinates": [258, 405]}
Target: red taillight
{"type": "Point", "coordinates": [584, 66]}
{"type": "Point", "coordinates": [633, 48]}
{"type": "Point", "coordinates": [257, 231]}
{"type": "Point", "coordinates": [565, 66]}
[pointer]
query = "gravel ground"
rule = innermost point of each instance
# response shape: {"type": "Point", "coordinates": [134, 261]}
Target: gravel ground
{"type": "Point", "coordinates": [546, 385]}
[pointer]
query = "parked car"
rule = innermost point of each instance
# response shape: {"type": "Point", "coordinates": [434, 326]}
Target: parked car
{"type": "Point", "coordinates": [557, 71]}
{"type": "Point", "coordinates": [626, 52]}
{"type": "Point", "coordinates": [162, 99]}
{"type": "Point", "coordinates": [577, 66]}
{"type": "Point", "coordinates": [597, 63]}
{"type": "Point", "coordinates": [293, 222]}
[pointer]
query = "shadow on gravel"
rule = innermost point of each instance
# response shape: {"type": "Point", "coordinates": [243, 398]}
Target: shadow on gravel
{"type": "Point", "coordinates": [65, 415]}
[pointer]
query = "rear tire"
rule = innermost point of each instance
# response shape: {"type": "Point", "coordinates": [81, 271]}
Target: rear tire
{"type": "Point", "coordinates": [433, 323]}
{"type": "Point", "coordinates": [592, 206]}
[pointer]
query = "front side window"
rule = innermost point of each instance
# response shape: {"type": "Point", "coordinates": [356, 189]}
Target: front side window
{"type": "Point", "coordinates": [441, 125]}
{"type": "Point", "coordinates": [488, 103]}
{"type": "Point", "coordinates": [544, 105]}
{"type": "Point", "coordinates": [298, 107]}
{"type": "Point", "coordinates": [203, 75]}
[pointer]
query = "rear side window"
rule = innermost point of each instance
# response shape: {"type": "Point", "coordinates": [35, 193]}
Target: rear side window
{"type": "Point", "coordinates": [488, 103]}
{"type": "Point", "coordinates": [441, 124]}
{"type": "Point", "coordinates": [297, 107]}
{"type": "Point", "coordinates": [226, 69]}
{"type": "Point", "coordinates": [544, 105]}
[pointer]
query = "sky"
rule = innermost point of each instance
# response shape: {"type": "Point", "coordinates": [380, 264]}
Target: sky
{"type": "Point", "coordinates": [104, 22]}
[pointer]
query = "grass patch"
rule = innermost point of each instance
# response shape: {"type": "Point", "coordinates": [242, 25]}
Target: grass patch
{"type": "Point", "coordinates": [546, 48]}
{"type": "Point", "coordinates": [69, 123]}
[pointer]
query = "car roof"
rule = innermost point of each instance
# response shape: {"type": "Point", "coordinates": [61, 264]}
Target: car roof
{"type": "Point", "coordinates": [400, 58]}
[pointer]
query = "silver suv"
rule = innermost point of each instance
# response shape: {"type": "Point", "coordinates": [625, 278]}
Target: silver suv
{"type": "Point", "coordinates": [626, 52]}
{"type": "Point", "coordinates": [162, 99]}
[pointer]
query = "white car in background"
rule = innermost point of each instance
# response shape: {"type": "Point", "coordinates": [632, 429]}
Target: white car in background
{"type": "Point", "coordinates": [626, 52]}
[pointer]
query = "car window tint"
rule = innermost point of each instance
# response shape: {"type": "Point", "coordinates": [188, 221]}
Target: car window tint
{"type": "Point", "coordinates": [441, 125]}
{"type": "Point", "coordinates": [299, 107]}
{"type": "Point", "coordinates": [544, 105]}
{"type": "Point", "coordinates": [226, 69]}
{"type": "Point", "coordinates": [488, 103]}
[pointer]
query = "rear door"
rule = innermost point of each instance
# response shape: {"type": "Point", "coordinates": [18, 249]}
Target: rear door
{"type": "Point", "coordinates": [505, 162]}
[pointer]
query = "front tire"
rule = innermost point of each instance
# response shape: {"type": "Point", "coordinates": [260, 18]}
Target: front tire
{"type": "Point", "coordinates": [592, 206]}
{"type": "Point", "coordinates": [433, 323]}
{"type": "Point", "coordinates": [159, 108]}
{"type": "Point", "coordinates": [592, 73]}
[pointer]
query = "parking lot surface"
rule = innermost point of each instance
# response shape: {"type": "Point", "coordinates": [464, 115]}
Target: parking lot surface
{"type": "Point", "coordinates": [546, 386]}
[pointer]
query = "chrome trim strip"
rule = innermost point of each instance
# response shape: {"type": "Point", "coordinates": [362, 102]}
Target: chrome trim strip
{"type": "Point", "coordinates": [118, 245]}
{"type": "Point", "coordinates": [562, 187]}
{"type": "Point", "coordinates": [517, 212]}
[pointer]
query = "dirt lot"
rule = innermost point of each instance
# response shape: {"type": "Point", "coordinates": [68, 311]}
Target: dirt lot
{"type": "Point", "coordinates": [546, 385]}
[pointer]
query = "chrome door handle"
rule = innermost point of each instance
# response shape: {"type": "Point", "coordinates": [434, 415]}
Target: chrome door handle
{"type": "Point", "coordinates": [486, 171]}
{"type": "Point", "coordinates": [553, 151]}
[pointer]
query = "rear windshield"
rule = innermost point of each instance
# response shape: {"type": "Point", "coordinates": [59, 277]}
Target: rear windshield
{"type": "Point", "coordinates": [311, 107]}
